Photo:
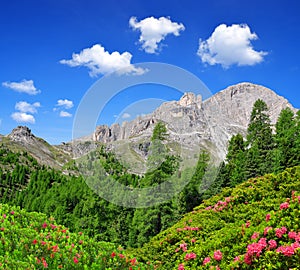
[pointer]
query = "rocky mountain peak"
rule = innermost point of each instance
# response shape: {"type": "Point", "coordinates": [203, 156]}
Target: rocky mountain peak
{"type": "Point", "coordinates": [21, 134]}
{"type": "Point", "coordinates": [189, 99]}
{"type": "Point", "coordinates": [194, 124]}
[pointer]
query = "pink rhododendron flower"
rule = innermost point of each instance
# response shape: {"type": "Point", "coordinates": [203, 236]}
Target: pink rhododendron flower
{"type": "Point", "coordinates": [280, 231]}
{"type": "Point", "coordinates": [272, 244]}
{"type": "Point", "coordinates": [180, 266]}
{"type": "Point", "coordinates": [292, 235]}
{"type": "Point", "coordinates": [121, 256]}
{"type": "Point", "coordinates": [75, 260]}
{"type": "Point", "coordinates": [255, 235]}
{"type": "Point", "coordinates": [237, 259]}
{"type": "Point", "coordinates": [284, 205]}
{"type": "Point", "coordinates": [247, 259]}
{"type": "Point", "coordinates": [218, 255]}
{"type": "Point", "coordinates": [268, 217]}
{"type": "Point", "coordinates": [266, 230]}
{"type": "Point", "coordinates": [190, 256]}
{"type": "Point", "coordinates": [206, 260]}
{"type": "Point", "coordinates": [286, 250]}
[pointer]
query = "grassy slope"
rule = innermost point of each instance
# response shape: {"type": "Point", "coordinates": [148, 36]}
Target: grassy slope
{"type": "Point", "coordinates": [234, 223]}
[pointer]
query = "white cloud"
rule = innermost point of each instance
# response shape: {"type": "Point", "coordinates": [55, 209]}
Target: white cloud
{"type": "Point", "coordinates": [126, 115]}
{"type": "Point", "coordinates": [25, 86]}
{"type": "Point", "coordinates": [229, 45]}
{"type": "Point", "coordinates": [153, 31]}
{"type": "Point", "coordinates": [25, 107]}
{"type": "Point", "coordinates": [22, 117]}
{"type": "Point", "coordinates": [65, 114]}
{"type": "Point", "coordinates": [99, 61]}
{"type": "Point", "coordinates": [67, 104]}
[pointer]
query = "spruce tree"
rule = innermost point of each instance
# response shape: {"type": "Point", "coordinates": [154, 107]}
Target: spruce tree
{"type": "Point", "coordinates": [235, 167]}
{"type": "Point", "coordinates": [285, 141]}
{"type": "Point", "coordinates": [260, 141]}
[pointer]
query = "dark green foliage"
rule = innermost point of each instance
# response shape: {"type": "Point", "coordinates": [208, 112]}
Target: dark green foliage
{"type": "Point", "coordinates": [285, 139]}
{"type": "Point", "coordinates": [191, 195]}
{"type": "Point", "coordinates": [260, 140]}
{"type": "Point", "coordinates": [236, 160]}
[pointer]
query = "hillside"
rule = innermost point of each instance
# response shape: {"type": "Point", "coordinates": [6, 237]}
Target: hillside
{"type": "Point", "coordinates": [21, 139]}
{"type": "Point", "coordinates": [252, 226]}
{"type": "Point", "coordinates": [33, 241]}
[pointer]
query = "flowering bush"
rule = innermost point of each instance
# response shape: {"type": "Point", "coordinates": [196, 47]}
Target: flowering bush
{"type": "Point", "coordinates": [252, 226]}
{"type": "Point", "coordinates": [31, 241]}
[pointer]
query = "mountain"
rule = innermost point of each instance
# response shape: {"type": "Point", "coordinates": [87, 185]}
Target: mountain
{"type": "Point", "coordinates": [192, 124]}
{"type": "Point", "coordinates": [22, 139]}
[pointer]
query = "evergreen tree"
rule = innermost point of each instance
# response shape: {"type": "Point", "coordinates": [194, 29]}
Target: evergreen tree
{"type": "Point", "coordinates": [285, 140]}
{"type": "Point", "coordinates": [235, 167]}
{"type": "Point", "coordinates": [191, 195]}
{"type": "Point", "coordinates": [157, 150]}
{"type": "Point", "coordinates": [260, 141]}
{"type": "Point", "coordinates": [295, 160]}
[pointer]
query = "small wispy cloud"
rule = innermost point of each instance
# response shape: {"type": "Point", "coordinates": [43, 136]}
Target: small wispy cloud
{"type": "Point", "coordinates": [65, 103]}
{"type": "Point", "coordinates": [126, 115]}
{"type": "Point", "coordinates": [22, 117]}
{"type": "Point", "coordinates": [65, 114]}
{"type": "Point", "coordinates": [25, 86]}
{"type": "Point", "coordinates": [154, 30]}
{"type": "Point", "coordinates": [100, 61]}
{"type": "Point", "coordinates": [26, 107]}
{"type": "Point", "coordinates": [25, 111]}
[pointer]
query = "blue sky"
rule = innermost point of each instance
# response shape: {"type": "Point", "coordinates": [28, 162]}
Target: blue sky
{"type": "Point", "coordinates": [52, 52]}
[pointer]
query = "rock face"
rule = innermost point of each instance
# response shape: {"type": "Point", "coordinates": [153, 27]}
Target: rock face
{"type": "Point", "coordinates": [194, 124]}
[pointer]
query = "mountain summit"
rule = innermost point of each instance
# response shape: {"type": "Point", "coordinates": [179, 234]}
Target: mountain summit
{"type": "Point", "coordinates": [194, 124]}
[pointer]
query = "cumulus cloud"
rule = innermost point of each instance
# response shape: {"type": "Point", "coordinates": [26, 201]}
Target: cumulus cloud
{"type": "Point", "coordinates": [26, 107]}
{"type": "Point", "coordinates": [65, 114]}
{"type": "Point", "coordinates": [25, 86]}
{"type": "Point", "coordinates": [22, 117]}
{"type": "Point", "coordinates": [67, 104]}
{"type": "Point", "coordinates": [153, 31]}
{"type": "Point", "coordinates": [229, 45]}
{"type": "Point", "coordinates": [99, 61]}
{"type": "Point", "coordinates": [126, 115]}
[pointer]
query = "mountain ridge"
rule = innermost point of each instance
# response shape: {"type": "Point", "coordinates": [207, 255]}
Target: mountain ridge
{"type": "Point", "coordinates": [192, 124]}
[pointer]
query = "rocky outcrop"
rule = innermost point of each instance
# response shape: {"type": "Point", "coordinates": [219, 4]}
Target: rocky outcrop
{"type": "Point", "coordinates": [22, 134]}
{"type": "Point", "coordinates": [24, 140]}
